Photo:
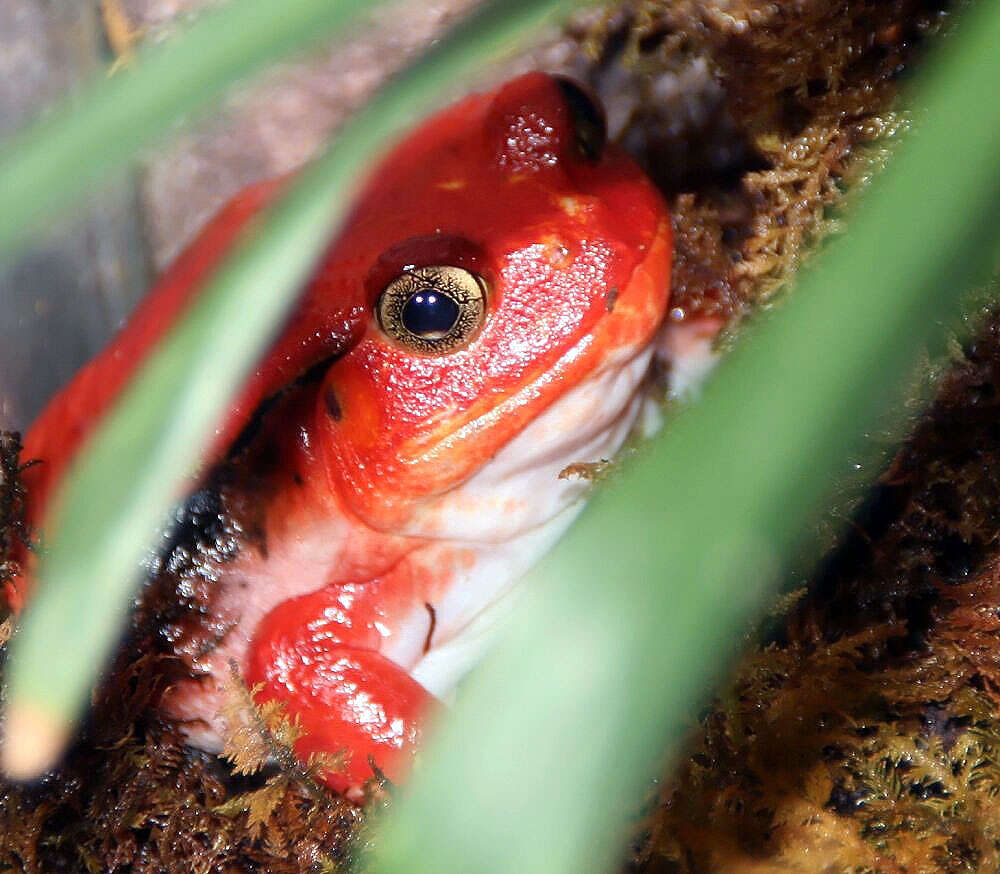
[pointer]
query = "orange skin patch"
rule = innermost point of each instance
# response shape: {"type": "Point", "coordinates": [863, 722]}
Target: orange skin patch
{"type": "Point", "coordinates": [498, 185]}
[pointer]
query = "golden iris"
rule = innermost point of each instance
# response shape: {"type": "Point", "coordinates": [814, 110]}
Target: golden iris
{"type": "Point", "coordinates": [433, 310]}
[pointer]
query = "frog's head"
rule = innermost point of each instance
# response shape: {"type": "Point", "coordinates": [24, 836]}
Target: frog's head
{"type": "Point", "coordinates": [515, 268]}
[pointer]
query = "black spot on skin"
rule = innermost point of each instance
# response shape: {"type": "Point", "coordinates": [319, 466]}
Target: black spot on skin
{"type": "Point", "coordinates": [430, 631]}
{"type": "Point", "coordinates": [298, 478]}
{"type": "Point", "coordinates": [332, 404]}
{"type": "Point", "coordinates": [202, 533]}
{"type": "Point", "coordinates": [610, 299]}
{"type": "Point", "coordinates": [311, 375]}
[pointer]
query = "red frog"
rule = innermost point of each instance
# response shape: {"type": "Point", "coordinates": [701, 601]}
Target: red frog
{"type": "Point", "coordinates": [485, 319]}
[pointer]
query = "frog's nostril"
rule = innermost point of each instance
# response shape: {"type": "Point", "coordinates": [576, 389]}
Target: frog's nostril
{"type": "Point", "coordinates": [590, 128]}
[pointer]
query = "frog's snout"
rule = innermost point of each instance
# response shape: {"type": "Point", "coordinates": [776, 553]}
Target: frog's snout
{"type": "Point", "coordinates": [537, 121]}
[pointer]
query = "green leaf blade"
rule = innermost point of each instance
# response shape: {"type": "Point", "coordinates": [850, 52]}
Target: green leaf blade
{"type": "Point", "coordinates": [648, 596]}
{"type": "Point", "coordinates": [143, 455]}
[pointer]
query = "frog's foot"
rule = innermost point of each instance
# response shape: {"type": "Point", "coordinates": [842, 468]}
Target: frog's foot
{"type": "Point", "coordinates": [684, 356]}
{"type": "Point", "coordinates": [350, 702]}
{"type": "Point", "coordinates": [688, 349]}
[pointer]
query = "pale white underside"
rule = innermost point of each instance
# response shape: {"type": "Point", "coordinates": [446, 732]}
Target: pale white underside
{"type": "Point", "coordinates": [505, 517]}
{"type": "Point", "coordinates": [588, 424]}
{"type": "Point", "coordinates": [688, 349]}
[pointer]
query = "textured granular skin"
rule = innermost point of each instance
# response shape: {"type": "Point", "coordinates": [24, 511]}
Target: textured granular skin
{"type": "Point", "coordinates": [844, 743]}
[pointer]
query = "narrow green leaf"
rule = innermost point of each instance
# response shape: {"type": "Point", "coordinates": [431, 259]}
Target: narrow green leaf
{"type": "Point", "coordinates": [71, 147]}
{"type": "Point", "coordinates": [633, 618]}
{"type": "Point", "coordinates": [145, 451]}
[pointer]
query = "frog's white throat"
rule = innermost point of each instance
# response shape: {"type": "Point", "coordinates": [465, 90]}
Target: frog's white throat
{"type": "Point", "coordinates": [519, 490]}
{"type": "Point", "coordinates": [476, 541]}
{"type": "Point", "coordinates": [515, 508]}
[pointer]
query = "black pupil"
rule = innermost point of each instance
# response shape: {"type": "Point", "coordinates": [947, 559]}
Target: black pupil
{"type": "Point", "coordinates": [429, 313]}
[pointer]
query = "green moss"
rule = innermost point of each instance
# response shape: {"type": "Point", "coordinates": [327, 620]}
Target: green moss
{"type": "Point", "coordinates": [790, 94]}
{"type": "Point", "coordinates": [868, 737]}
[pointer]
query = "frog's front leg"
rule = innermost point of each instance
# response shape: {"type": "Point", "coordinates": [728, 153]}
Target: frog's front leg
{"type": "Point", "coordinates": [323, 656]}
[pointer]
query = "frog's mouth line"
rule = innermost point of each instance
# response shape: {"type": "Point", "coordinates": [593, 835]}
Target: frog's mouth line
{"type": "Point", "coordinates": [312, 376]}
{"type": "Point", "coordinates": [467, 426]}
{"type": "Point", "coordinates": [519, 488]}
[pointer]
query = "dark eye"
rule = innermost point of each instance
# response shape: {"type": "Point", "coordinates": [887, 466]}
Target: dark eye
{"type": "Point", "coordinates": [429, 314]}
{"type": "Point", "coordinates": [433, 310]}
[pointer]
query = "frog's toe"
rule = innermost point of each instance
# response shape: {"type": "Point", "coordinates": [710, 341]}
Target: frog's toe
{"type": "Point", "coordinates": [351, 703]}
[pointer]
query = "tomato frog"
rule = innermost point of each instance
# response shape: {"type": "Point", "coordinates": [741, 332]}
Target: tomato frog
{"type": "Point", "coordinates": [484, 320]}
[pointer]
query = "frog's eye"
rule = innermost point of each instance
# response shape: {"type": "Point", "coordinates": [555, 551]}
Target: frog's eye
{"type": "Point", "coordinates": [432, 310]}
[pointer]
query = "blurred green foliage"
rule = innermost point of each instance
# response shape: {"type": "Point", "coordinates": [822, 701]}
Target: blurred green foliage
{"type": "Point", "coordinates": [649, 596]}
{"type": "Point", "coordinates": [72, 146]}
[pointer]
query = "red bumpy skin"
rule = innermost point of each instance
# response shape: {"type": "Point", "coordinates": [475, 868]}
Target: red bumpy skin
{"type": "Point", "coordinates": [573, 243]}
